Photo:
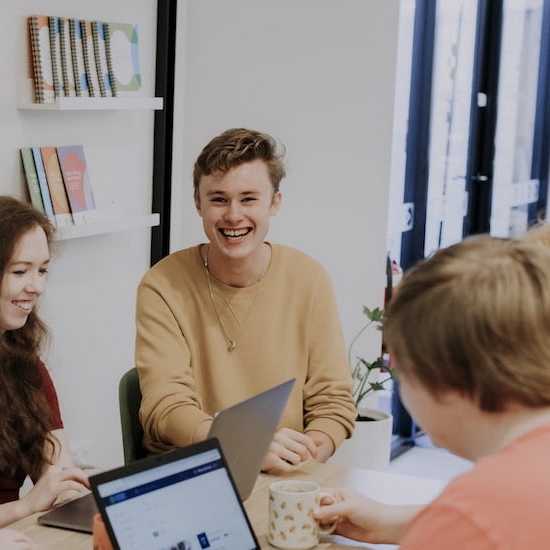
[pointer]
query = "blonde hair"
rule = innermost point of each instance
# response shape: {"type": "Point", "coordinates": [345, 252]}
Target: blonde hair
{"type": "Point", "coordinates": [475, 319]}
{"type": "Point", "coordinates": [538, 234]}
{"type": "Point", "coordinates": [235, 147]}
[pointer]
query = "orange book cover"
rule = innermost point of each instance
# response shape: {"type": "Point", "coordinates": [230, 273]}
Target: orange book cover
{"type": "Point", "coordinates": [56, 186]}
{"type": "Point", "coordinates": [77, 182]}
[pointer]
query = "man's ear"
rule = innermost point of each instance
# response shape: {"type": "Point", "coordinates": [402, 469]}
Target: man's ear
{"type": "Point", "coordinates": [198, 205]}
{"type": "Point", "coordinates": [276, 202]}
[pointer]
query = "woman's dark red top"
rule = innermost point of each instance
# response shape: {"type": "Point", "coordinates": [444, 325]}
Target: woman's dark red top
{"type": "Point", "coordinates": [9, 487]}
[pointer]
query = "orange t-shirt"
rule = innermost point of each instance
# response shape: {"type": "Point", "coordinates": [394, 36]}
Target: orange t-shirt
{"type": "Point", "coordinates": [503, 503]}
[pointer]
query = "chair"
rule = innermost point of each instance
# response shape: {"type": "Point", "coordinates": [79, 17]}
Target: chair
{"type": "Point", "coordinates": [129, 399]}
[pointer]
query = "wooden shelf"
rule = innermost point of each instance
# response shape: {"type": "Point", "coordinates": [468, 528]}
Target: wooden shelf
{"type": "Point", "coordinates": [96, 104]}
{"type": "Point", "coordinates": [108, 225]}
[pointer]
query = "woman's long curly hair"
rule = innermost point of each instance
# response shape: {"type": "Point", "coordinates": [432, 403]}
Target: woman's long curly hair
{"type": "Point", "coordinates": [25, 413]}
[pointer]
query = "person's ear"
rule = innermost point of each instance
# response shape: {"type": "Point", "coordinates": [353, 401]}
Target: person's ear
{"type": "Point", "coordinates": [198, 204]}
{"type": "Point", "coordinates": [276, 203]}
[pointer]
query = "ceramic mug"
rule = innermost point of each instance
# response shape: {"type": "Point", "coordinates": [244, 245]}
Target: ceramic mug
{"type": "Point", "coordinates": [291, 507]}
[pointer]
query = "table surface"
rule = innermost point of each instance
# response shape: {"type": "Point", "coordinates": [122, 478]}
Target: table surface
{"type": "Point", "coordinates": [382, 486]}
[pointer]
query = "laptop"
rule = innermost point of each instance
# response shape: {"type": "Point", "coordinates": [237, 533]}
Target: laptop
{"type": "Point", "coordinates": [184, 499]}
{"type": "Point", "coordinates": [244, 430]}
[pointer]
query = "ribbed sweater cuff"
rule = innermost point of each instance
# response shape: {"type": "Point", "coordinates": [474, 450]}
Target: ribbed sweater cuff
{"type": "Point", "coordinates": [332, 428]}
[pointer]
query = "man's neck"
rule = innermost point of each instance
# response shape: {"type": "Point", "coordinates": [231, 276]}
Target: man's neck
{"type": "Point", "coordinates": [239, 272]}
{"type": "Point", "coordinates": [497, 430]}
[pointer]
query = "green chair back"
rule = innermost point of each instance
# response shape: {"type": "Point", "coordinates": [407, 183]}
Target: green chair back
{"type": "Point", "coordinates": [129, 398]}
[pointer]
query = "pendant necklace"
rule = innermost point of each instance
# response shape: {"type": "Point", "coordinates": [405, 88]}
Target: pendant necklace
{"type": "Point", "coordinates": [231, 342]}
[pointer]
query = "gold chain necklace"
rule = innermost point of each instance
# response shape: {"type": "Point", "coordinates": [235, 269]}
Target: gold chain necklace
{"type": "Point", "coordinates": [231, 343]}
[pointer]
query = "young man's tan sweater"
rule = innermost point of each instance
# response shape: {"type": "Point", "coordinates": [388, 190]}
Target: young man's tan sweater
{"type": "Point", "coordinates": [285, 326]}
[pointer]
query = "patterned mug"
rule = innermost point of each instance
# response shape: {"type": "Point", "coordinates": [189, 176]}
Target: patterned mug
{"type": "Point", "coordinates": [291, 507]}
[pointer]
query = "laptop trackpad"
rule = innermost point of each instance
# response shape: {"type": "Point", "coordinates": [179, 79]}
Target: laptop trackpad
{"type": "Point", "coordinates": [77, 515]}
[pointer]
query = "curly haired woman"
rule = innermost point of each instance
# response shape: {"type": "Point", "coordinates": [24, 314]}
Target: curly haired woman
{"type": "Point", "coordinates": [31, 430]}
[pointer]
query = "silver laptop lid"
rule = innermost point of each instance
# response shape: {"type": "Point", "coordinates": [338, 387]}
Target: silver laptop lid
{"type": "Point", "coordinates": [245, 431]}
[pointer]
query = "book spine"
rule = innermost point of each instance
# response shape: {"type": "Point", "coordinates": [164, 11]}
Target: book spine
{"type": "Point", "coordinates": [66, 59]}
{"type": "Point", "coordinates": [89, 64]}
{"type": "Point", "coordinates": [109, 56]}
{"type": "Point", "coordinates": [74, 58]}
{"type": "Point", "coordinates": [77, 53]}
{"type": "Point", "coordinates": [32, 179]}
{"type": "Point", "coordinates": [43, 184]}
{"type": "Point", "coordinates": [97, 56]}
{"type": "Point", "coordinates": [38, 77]}
{"type": "Point", "coordinates": [55, 53]}
{"type": "Point", "coordinates": [56, 186]}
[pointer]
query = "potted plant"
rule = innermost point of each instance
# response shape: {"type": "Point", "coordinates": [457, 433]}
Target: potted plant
{"type": "Point", "coordinates": [369, 446]}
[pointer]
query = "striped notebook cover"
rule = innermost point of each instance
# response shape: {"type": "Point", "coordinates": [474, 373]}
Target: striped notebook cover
{"type": "Point", "coordinates": [109, 55]}
{"type": "Point", "coordinates": [100, 58]}
{"type": "Point", "coordinates": [41, 60]}
{"type": "Point", "coordinates": [55, 52]}
{"type": "Point", "coordinates": [77, 55]}
{"type": "Point", "coordinates": [66, 58]}
{"type": "Point", "coordinates": [89, 60]}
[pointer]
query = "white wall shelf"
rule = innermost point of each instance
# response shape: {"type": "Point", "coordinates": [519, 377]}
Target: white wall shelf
{"type": "Point", "coordinates": [96, 104]}
{"type": "Point", "coordinates": [107, 225]}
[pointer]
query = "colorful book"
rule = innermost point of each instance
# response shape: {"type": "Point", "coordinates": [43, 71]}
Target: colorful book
{"type": "Point", "coordinates": [77, 182]}
{"type": "Point", "coordinates": [43, 184]}
{"type": "Point", "coordinates": [41, 59]}
{"type": "Point", "coordinates": [124, 47]}
{"type": "Point", "coordinates": [31, 179]}
{"type": "Point", "coordinates": [55, 52]}
{"type": "Point", "coordinates": [101, 58]}
{"type": "Point", "coordinates": [109, 56]}
{"type": "Point", "coordinates": [89, 59]}
{"type": "Point", "coordinates": [77, 55]}
{"type": "Point", "coordinates": [56, 186]}
{"type": "Point", "coordinates": [67, 73]}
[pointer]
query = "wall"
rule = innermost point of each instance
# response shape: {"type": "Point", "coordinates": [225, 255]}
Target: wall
{"type": "Point", "coordinates": [320, 77]}
{"type": "Point", "coordinates": [90, 302]}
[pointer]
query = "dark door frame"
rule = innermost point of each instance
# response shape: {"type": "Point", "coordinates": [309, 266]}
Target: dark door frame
{"type": "Point", "coordinates": [541, 142]}
{"type": "Point", "coordinates": [164, 126]}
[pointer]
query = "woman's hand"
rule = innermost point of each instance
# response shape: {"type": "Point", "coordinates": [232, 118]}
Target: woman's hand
{"type": "Point", "coordinates": [53, 483]}
{"type": "Point", "coordinates": [13, 540]}
{"type": "Point", "coordinates": [363, 519]}
{"type": "Point", "coordinates": [288, 450]}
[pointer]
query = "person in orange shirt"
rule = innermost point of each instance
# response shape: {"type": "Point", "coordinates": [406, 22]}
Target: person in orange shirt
{"type": "Point", "coordinates": [468, 331]}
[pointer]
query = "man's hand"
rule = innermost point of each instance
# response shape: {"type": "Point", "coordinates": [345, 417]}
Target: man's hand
{"type": "Point", "coordinates": [288, 450]}
{"type": "Point", "coordinates": [363, 519]}
{"type": "Point", "coordinates": [324, 444]}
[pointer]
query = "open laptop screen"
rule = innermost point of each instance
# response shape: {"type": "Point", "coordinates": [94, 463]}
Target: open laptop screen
{"type": "Point", "coordinates": [186, 503]}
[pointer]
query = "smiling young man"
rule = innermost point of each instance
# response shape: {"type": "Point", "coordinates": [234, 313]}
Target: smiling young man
{"type": "Point", "coordinates": [222, 321]}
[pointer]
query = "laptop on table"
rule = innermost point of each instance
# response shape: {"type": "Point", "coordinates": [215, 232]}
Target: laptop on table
{"type": "Point", "coordinates": [185, 499]}
{"type": "Point", "coordinates": [244, 430]}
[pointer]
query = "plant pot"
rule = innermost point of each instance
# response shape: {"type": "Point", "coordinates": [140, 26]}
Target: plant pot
{"type": "Point", "coordinates": [370, 443]}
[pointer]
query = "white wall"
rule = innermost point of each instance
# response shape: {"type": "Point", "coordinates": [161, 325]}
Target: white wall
{"type": "Point", "coordinates": [318, 75]}
{"type": "Point", "coordinates": [90, 302]}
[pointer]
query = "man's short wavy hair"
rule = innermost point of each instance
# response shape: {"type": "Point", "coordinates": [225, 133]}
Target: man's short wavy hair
{"type": "Point", "coordinates": [235, 147]}
{"type": "Point", "coordinates": [475, 319]}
